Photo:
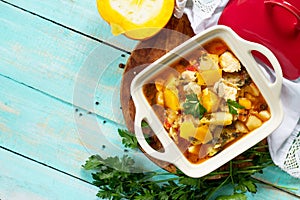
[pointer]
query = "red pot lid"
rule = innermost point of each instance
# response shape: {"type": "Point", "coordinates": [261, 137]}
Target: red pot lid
{"type": "Point", "coordinates": [272, 23]}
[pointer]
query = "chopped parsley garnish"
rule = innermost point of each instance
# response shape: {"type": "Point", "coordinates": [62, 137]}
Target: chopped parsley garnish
{"type": "Point", "coordinates": [233, 106]}
{"type": "Point", "coordinates": [193, 106]}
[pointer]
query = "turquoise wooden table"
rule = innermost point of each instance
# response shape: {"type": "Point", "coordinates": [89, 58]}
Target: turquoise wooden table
{"type": "Point", "coordinates": [59, 101]}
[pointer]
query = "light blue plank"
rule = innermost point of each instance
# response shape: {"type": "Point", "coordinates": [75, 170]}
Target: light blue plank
{"type": "Point", "coordinates": [55, 133]}
{"type": "Point", "coordinates": [53, 68]}
{"type": "Point", "coordinates": [79, 15]}
{"type": "Point", "coordinates": [23, 179]}
{"type": "Point", "coordinates": [264, 192]}
{"type": "Point", "coordinates": [54, 60]}
{"type": "Point", "coordinates": [275, 175]}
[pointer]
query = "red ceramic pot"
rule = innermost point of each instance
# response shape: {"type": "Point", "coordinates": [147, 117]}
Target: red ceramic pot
{"type": "Point", "coordinates": [273, 23]}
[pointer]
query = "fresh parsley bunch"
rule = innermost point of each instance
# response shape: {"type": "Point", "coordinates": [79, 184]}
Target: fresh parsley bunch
{"type": "Point", "coordinates": [119, 178]}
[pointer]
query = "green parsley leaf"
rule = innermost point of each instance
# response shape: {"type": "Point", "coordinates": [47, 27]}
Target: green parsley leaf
{"type": "Point", "coordinates": [246, 185]}
{"type": "Point", "coordinates": [93, 163]}
{"type": "Point", "coordinates": [193, 106]}
{"type": "Point", "coordinates": [119, 178]}
{"type": "Point", "coordinates": [233, 106]}
{"type": "Point", "coordinates": [128, 139]}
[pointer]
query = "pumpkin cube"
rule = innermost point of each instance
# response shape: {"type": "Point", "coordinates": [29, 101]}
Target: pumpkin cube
{"type": "Point", "coordinates": [210, 100]}
{"type": "Point", "coordinates": [203, 134]}
{"type": "Point", "coordinates": [171, 100]}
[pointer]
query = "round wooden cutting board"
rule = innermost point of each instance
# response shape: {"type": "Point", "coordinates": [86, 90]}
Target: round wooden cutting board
{"type": "Point", "coordinates": [146, 52]}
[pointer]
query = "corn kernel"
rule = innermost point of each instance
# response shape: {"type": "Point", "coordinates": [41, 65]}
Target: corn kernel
{"type": "Point", "coordinates": [245, 103]}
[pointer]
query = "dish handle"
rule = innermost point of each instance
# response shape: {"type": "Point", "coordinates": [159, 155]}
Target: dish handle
{"type": "Point", "coordinates": [276, 85]}
{"type": "Point", "coordinates": [170, 152]}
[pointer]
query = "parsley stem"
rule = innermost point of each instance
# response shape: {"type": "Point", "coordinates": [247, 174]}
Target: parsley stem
{"type": "Point", "coordinates": [242, 161]}
{"type": "Point", "coordinates": [231, 172]}
{"type": "Point", "coordinates": [255, 167]}
{"type": "Point", "coordinates": [217, 188]}
{"type": "Point", "coordinates": [165, 180]}
{"type": "Point", "coordinates": [260, 147]}
{"type": "Point", "coordinates": [247, 171]}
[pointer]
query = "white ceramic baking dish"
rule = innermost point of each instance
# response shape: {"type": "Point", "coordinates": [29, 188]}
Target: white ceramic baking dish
{"type": "Point", "coordinates": [242, 50]}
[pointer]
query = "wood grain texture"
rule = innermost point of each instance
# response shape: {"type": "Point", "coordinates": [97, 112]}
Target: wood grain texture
{"type": "Point", "coordinates": [56, 133]}
{"type": "Point", "coordinates": [51, 78]}
{"type": "Point", "coordinates": [81, 16]}
{"type": "Point", "coordinates": [23, 179]}
{"type": "Point", "coordinates": [146, 52]}
{"type": "Point", "coordinates": [60, 62]}
{"type": "Point", "coordinates": [264, 192]}
{"type": "Point", "coordinates": [274, 175]}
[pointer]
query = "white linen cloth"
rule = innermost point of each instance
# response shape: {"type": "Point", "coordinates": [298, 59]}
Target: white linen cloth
{"type": "Point", "coordinates": [284, 142]}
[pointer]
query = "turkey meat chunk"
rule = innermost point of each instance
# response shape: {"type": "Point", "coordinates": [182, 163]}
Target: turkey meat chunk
{"type": "Point", "coordinates": [229, 62]}
{"type": "Point", "coordinates": [225, 89]}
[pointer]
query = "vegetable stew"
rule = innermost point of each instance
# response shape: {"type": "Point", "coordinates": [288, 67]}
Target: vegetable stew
{"type": "Point", "coordinates": [206, 101]}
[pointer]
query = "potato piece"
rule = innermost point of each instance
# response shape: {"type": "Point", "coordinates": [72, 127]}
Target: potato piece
{"type": "Point", "coordinates": [209, 62]}
{"type": "Point", "coordinates": [245, 102]}
{"type": "Point", "coordinates": [160, 98]}
{"type": "Point", "coordinates": [222, 118]}
{"type": "Point", "coordinates": [171, 100]}
{"type": "Point", "coordinates": [255, 90]}
{"type": "Point", "coordinates": [252, 98]}
{"type": "Point", "coordinates": [240, 127]}
{"type": "Point", "coordinates": [210, 100]}
{"type": "Point", "coordinates": [252, 89]}
{"type": "Point", "coordinates": [253, 122]}
{"type": "Point", "coordinates": [187, 130]}
{"type": "Point", "coordinates": [209, 77]}
{"type": "Point", "coordinates": [218, 118]}
{"type": "Point", "coordinates": [171, 82]}
{"type": "Point", "coordinates": [203, 134]}
{"type": "Point", "coordinates": [264, 115]}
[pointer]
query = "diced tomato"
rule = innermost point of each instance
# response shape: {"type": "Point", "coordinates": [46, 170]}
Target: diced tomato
{"type": "Point", "coordinates": [191, 68]}
{"type": "Point", "coordinates": [167, 125]}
